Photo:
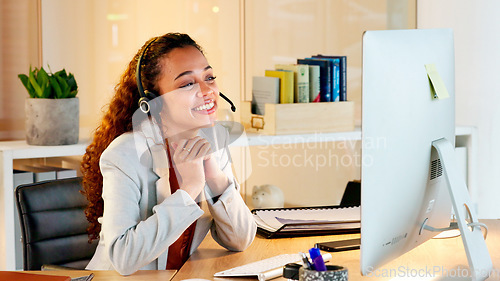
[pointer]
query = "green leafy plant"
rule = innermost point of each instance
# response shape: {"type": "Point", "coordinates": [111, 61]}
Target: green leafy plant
{"type": "Point", "coordinates": [41, 84]}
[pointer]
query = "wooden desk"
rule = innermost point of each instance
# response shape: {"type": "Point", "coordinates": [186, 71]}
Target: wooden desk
{"type": "Point", "coordinates": [111, 275]}
{"type": "Point", "coordinates": [435, 254]}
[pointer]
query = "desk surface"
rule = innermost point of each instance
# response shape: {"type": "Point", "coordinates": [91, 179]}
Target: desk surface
{"type": "Point", "coordinates": [436, 254]}
{"type": "Point", "coordinates": [141, 275]}
{"type": "Point", "coordinates": [209, 258]}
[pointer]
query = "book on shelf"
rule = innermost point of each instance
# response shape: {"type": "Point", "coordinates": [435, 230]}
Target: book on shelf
{"type": "Point", "coordinates": [307, 221]}
{"type": "Point", "coordinates": [286, 84]}
{"type": "Point", "coordinates": [314, 85]}
{"type": "Point", "coordinates": [324, 76]}
{"type": "Point", "coordinates": [342, 73]}
{"type": "Point", "coordinates": [264, 90]}
{"type": "Point", "coordinates": [333, 66]}
{"type": "Point", "coordinates": [301, 80]}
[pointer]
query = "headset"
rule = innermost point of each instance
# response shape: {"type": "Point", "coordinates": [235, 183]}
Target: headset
{"type": "Point", "coordinates": [147, 95]}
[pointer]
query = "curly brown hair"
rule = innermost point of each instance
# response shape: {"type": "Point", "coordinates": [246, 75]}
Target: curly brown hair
{"type": "Point", "coordinates": [118, 117]}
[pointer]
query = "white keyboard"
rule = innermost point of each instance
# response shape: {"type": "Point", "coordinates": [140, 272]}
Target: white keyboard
{"type": "Point", "coordinates": [267, 268]}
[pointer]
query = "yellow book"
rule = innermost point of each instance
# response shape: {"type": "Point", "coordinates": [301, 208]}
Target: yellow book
{"type": "Point", "coordinates": [300, 80]}
{"type": "Point", "coordinates": [286, 84]}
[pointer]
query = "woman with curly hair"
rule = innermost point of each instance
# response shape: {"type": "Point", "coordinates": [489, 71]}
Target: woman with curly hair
{"type": "Point", "coordinates": [152, 200]}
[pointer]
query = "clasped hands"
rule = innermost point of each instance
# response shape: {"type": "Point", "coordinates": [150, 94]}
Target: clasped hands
{"type": "Point", "coordinates": [195, 165]}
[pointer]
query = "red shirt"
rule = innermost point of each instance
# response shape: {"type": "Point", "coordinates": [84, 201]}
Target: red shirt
{"type": "Point", "coordinates": [178, 252]}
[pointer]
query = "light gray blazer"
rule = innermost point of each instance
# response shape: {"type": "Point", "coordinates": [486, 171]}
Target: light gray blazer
{"type": "Point", "coordinates": [139, 223]}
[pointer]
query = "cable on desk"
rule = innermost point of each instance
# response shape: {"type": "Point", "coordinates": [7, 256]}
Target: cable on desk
{"type": "Point", "coordinates": [454, 225]}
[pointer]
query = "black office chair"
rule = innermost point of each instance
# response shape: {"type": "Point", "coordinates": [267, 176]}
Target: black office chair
{"type": "Point", "coordinates": [53, 225]}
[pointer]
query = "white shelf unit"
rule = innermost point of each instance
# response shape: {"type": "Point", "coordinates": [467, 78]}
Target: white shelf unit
{"type": "Point", "coordinates": [465, 138]}
{"type": "Point", "coordinates": [262, 140]}
{"type": "Point", "coordinates": [259, 140]}
{"type": "Point", "coordinates": [10, 151]}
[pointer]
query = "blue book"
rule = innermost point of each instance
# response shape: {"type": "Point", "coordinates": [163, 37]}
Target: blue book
{"type": "Point", "coordinates": [331, 76]}
{"type": "Point", "coordinates": [335, 72]}
{"type": "Point", "coordinates": [342, 75]}
{"type": "Point", "coordinates": [324, 77]}
{"type": "Point", "coordinates": [336, 80]}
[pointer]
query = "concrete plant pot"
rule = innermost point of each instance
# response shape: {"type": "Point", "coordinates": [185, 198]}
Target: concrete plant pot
{"type": "Point", "coordinates": [52, 121]}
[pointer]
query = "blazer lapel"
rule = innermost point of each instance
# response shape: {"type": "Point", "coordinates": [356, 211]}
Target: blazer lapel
{"type": "Point", "coordinates": [160, 167]}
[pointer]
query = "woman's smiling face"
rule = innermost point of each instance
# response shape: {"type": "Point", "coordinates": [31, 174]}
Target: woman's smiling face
{"type": "Point", "coordinates": [188, 91]}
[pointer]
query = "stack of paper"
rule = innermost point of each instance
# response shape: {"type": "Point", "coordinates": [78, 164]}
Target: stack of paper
{"type": "Point", "coordinates": [304, 219]}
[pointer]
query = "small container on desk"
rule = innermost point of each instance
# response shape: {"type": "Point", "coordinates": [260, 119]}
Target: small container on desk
{"type": "Point", "coordinates": [299, 118]}
{"type": "Point", "coordinates": [332, 273]}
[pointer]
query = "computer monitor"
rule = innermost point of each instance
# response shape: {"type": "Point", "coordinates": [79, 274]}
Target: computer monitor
{"type": "Point", "coordinates": [408, 177]}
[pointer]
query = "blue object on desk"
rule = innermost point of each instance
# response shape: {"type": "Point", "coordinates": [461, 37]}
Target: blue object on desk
{"type": "Point", "coordinates": [319, 263]}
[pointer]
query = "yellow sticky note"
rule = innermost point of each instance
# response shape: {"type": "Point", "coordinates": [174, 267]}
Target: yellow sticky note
{"type": "Point", "coordinates": [438, 89]}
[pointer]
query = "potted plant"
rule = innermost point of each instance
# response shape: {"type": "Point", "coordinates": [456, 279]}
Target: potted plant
{"type": "Point", "coordinates": [52, 109]}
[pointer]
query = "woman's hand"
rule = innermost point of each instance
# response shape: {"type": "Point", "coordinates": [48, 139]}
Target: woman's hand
{"type": "Point", "coordinates": [188, 157]}
{"type": "Point", "coordinates": [215, 177]}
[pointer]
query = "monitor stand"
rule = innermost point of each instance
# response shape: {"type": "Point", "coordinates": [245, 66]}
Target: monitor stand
{"type": "Point", "coordinates": [472, 237]}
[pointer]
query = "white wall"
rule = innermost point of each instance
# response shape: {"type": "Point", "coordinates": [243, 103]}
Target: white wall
{"type": "Point", "coordinates": [477, 58]}
{"type": "Point", "coordinates": [96, 39]}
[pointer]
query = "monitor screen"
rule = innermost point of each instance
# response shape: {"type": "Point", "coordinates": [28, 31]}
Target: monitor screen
{"type": "Point", "coordinates": [402, 179]}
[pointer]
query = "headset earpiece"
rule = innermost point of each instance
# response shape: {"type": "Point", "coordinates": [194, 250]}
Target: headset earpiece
{"type": "Point", "coordinates": [144, 105]}
{"type": "Point", "coordinates": [146, 95]}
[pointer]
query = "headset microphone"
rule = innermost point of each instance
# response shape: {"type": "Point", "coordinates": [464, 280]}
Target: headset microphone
{"type": "Point", "coordinates": [233, 108]}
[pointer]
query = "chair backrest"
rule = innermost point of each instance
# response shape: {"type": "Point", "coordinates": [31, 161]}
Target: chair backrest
{"type": "Point", "coordinates": [53, 224]}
